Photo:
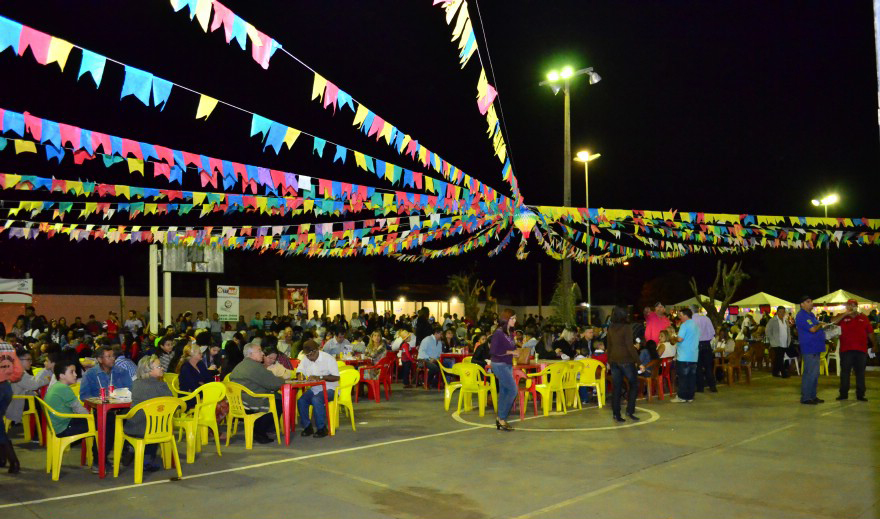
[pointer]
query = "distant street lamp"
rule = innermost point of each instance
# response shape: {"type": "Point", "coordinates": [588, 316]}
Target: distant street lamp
{"type": "Point", "coordinates": [825, 202]}
{"type": "Point", "coordinates": [560, 81]}
{"type": "Point", "coordinates": [586, 157]}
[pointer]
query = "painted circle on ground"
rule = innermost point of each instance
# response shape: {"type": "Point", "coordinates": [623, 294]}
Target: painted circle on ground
{"type": "Point", "coordinates": [653, 417]}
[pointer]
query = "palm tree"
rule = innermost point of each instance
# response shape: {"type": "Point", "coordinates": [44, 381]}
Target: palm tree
{"type": "Point", "coordinates": [563, 301]}
{"type": "Point", "coordinates": [468, 289]}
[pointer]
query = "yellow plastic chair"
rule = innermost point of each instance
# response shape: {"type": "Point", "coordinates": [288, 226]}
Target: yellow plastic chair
{"type": "Point", "coordinates": [555, 376]}
{"type": "Point", "coordinates": [473, 381]}
{"type": "Point", "coordinates": [588, 378]}
{"type": "Point", "coordinates": [201, 418]}
{"type": "Point", "coordinates": [468, 359]}
{"type": "Point", "coordinates": [56, 446]}
{"type": "Point", "coordinates": [238, 413]}
{"type": "Point", "coordinates": [570, 382]}
{"type": "Point", "coordinates": [345, 367]}
{"type": "Point", "coordinates": [28, 416]}
{"type": "Point", "coordinates": [170, 379]}
{"type": "Point", "coordinates": [449, 387]}
{"type": "Point", "coordinates": [160, 429]}
{"type": "Point", "coordinates": [348, 379]}
{"type": "Point", "coordinates": [175, 388]}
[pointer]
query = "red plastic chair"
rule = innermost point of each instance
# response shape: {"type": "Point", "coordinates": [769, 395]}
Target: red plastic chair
{"type": "Point", "coordinates": [519, 375]}
{"type": "Point", "coordinates": [653, 380]}
{"type": "Point", "coordinates": [374, 385]}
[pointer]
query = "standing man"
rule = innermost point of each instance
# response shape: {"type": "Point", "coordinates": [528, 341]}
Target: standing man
{"type": "Point", "coordinates": [686, 356]}
{"type": "Point", "coordinates": [855, 331]}
{"type": "Point", "coordinates": [779, 337]}
{"type": "Point", "coordinates": [655, 322]}
{"type": "Point", "coordinates": [812, 341]}
{"type": "Point", "coordinates": [705, 357]}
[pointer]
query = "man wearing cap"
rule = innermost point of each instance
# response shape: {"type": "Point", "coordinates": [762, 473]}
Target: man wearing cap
{"type": "Point", "coordinates": [655, 322]}
{"type": "Point", "coordinates": [812, 342]}
{"type": "Point", "coordinates": [855, 332]}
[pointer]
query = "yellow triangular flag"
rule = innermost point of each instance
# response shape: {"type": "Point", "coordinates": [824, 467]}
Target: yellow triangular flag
{"type": "Point", "coordinates": [290, 137]}
{"type": "Point", "coordinates": [135, 165]}
{"type": "Point", "coordinates": [122, 190]}
{"type": "Point", "coordinates": [360, 116]}
{"type": "Point", "coordinates": [318, 87]}
{"type": "Point", "coordinates": [206, 106]}
{"type": "Point", "coordinates": [203, 13]}
{"type": "Point", "coordinates": [24, 146]}
{"type": "Point", "coordinates": [198, 197]}
{"type": "Point", "coordinates": [59, 50]}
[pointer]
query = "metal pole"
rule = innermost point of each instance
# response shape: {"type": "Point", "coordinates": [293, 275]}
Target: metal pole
{"type": "Point", "coordinates": [375, 308]}
{"type": "Point", "coordinates": [121, 297]}
{"type": "Point", "coordinates": [540, 303]}
{"type": "Point", "coordinates": [566, 190]}
{"type": "Point", "coordinates": [341, 301]}
{"type": "Point", "coordinates": [587, 203]}
{"type": "Point", "coordinates": [207, 299]}
{"type": "Point", "coordinates": [827, 259]}
{"type": "Point", "coordinates": [166, 296]}
{"type": "Point", "coordinates": [154, 289]}
{"type": "Point", "coordinates": [277, 297]}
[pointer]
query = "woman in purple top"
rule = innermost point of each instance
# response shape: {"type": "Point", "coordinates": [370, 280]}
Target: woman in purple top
{"type": "Point", "coordinates": [502, 347]}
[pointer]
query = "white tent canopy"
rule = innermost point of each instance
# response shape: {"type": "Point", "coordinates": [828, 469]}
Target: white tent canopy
{"type": "Point", "coordinates": [763, 298]}
{"type": "Point", "coordinates": [839, 297]}
{"type": "Point", "coordinates": [693, 301]}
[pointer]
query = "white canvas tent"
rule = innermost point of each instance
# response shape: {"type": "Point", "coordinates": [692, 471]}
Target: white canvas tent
{"type": "Point", "coordinates": [840, 297]}
{"type": "Point", "coordinates": [692, 301]}
{"type": "Point", "coordinates": [761, 299]}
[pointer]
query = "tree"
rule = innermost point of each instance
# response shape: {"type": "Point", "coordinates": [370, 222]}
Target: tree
{"type": "Point", "coordinates": [727, 281]}
{"type": "Point", "coordinates": [563, 301]}
{"type": "Point", "coordinates": [468, 289]}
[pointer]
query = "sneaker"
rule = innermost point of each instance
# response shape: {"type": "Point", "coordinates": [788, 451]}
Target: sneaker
{"type": "Point", "coordinates": [678, 400]}
{"type": "Point", "coordinates": [322, 432]}
{"type": "Point", "coordinates": [308, 431]}
{"type": "Point", "coordinates": [809, 402]}
{"type": "Point", "coordinates": [861, 399]}
{"type": "Point", "coordinates": [632, 417]}
{"type": "Point", "coordinates": [95, 469]}
{"type": "Point", "coordinates": [818, 401]}
{"type": "Point", "coordinates": [618, 419]}
{"type": "Point", "coordinates": [689, 401]}
{"type": "Point", "coordinates": [841, 397]}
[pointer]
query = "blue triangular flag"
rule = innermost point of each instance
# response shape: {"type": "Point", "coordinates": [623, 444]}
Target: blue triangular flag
{"type": "Point", "coordinates": [319, 146]}
{"type": "Point", "coordinates": [161, 91]}
{"type": "Point", "coordinates": [260, 124]}
{"type": "Point", "coordinates": [51, 133]}
{"type": "Point", "coordinates": [275, 137]}
{"type": "Point", "coordinates": [239, 32]}
{"type": "Point", "coordinates": [137, 83]}
{"type": "Point", "coordinates": [93, 63]}
{"type": "Point", "coordinates": [53, 152]}
{"type": "Point", "coordinates": [340, 153]}
{"type": "Point", "coordinates": [10, 34]}
{"type": "Point", "coordinates": [343, 99]}
{"type": "Point", "coordinates": [13, 122]}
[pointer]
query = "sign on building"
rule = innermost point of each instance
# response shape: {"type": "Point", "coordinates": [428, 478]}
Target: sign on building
{"type": "Point", "coordinates": [227, 302]}
{"type": "Point", "coordinates": [16, 291]}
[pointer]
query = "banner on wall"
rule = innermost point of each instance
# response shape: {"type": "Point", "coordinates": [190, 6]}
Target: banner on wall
{"type": "Point", "coordinates": [227, 302]}
{"type": "Point", "coordinates": [17, 291]}
{"type": "Point", "coordinates": [297, 299]}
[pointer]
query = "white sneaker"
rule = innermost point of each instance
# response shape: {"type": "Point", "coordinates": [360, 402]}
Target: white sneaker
{"type": "Point", "coordinates": [689, 401]}
{"type": "Point", "coordinates": [678, 400]}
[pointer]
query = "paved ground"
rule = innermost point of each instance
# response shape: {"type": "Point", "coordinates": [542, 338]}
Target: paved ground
{"type": "Point", "coordinates": [747, 451]}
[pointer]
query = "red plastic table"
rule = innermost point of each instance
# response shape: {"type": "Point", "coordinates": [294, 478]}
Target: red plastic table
{"type": "Point", "coordinates": [358, 362]}
{"type": "Point", "coordinates": [288, 404]}
{"type": "Point", "coordinates": [457, 357]}
{"type": "Point", "coordinates": [101, 410]}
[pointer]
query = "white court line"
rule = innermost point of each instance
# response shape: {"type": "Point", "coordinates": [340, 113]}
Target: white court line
{"type": "Point", "coordinates": [234, 469]}
{"type": "Point", "coordinates": [841, 408]}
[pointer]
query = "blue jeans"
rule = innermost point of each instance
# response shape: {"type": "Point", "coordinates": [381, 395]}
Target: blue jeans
{"type": "Point", "coordinates": [316, 401]}
{"type": "Point", "coordinates": [506, 388]}
{"type": "Point", "coordinates": [810, 376]}
{"type": "Point", "coordinates": [687, 379]}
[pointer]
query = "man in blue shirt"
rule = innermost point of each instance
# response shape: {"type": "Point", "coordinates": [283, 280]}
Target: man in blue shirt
{"type": "Point", "coordinates": [812, 343]}
{"type": "Point", "coordinates": [429, 352]}
{"type": "Point", "coordinates": [686, 356]}
{"type": "Point", "coordinates": [104, 373]}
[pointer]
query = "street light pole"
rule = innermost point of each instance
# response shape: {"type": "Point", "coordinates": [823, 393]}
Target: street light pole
{"type": "Point", "coordinates": [825, 202]}
{"type": "Point", "coordinates": [553, 80]}
{"type": "Point", "coordinates": [586, 157]}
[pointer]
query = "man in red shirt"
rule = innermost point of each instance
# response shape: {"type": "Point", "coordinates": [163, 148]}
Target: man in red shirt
{"type": "Point", "coordinates": [855, 331]}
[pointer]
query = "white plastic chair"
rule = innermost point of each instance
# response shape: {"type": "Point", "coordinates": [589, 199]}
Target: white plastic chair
{"type": "Point", "coordinates": [795, 361]}
{"type": "Point", "coordinates": [835, 356]}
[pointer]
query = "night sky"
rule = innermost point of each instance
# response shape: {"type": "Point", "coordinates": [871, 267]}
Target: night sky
{"type": "Point", "coordinates": [728, 107]}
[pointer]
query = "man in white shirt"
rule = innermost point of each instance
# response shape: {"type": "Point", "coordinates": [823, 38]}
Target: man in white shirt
{"type": "Point", "coordinates": [133, 324]}
{"type": "Point", "coordinates": [202, 323]}
{"type": "Point", "coordinates": [338, 344]}
{"type": "Point", "coordinates": [779, 336]}
{"type": "Point", "coordinates": [316, 365]}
